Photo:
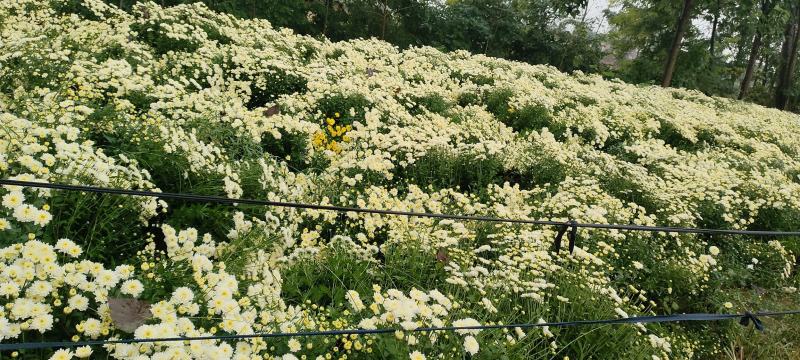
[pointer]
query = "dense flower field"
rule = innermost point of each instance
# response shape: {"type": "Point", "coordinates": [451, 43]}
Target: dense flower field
{"type": "Point", "coordinates": [186, 100]}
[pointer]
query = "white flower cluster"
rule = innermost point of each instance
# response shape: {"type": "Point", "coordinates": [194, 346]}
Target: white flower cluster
{"type": "Point", "coordinates": [32, 280]}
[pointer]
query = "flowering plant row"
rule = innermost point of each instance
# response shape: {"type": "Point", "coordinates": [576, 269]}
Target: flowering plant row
{"type": "Point", "coordinates": [183, 99]}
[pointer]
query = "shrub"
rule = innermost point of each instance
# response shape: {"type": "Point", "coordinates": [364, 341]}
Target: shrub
{"type": "Point", "coordinates": [527, 118]}
{"type": "Point", "coordinates": [272, 83]}
{"type": "Point", "coordinates": [441, 169]}
{"type": "Point", "coordinates": [434, 103]}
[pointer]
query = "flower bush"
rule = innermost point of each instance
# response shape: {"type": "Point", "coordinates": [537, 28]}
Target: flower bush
{"type": "Point", "coordinates": [187, 100]}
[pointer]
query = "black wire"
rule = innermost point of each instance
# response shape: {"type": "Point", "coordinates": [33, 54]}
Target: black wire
{"type": "Point", "coordinates": [225, 200]}
{"type": "Point", "coordinates": [745, 318]}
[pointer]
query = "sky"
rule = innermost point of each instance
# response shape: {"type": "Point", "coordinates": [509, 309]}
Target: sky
{"type": "Point", "coordinates": [595, 12]}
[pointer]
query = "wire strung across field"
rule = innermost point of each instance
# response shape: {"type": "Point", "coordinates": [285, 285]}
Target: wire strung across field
{"type": "Point", "coordinates": [744, 319]}
{"type": "Point", "coordinates": [225, 200]}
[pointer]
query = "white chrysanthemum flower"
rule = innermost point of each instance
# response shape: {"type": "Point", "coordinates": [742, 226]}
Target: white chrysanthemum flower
{"type": "Point", "coordinates": [63, 245]}
{"type": "Point", "coordinates": [132, 287]}
{"type": "Point", "coordinates": [621, 312]}
{"type": "Point", "coordinates": [61, 355]}
{"type": "Point", "coordinates": [354, 300]}
{"type": "Point", "coordinates": [182, 295]}
{"type": "Point", "coordinates": [294, 345]}
{"type": "Point", "coordinates": [92, 328]}
{"type": "Point", "coordinates": [107, 278]}
{"type": "Point", "coordinates": [39, 289]}
{"type": "Point", "coordinates": [416, 355]}
{"type": "Point", "coordinates": [545, 329]}
{"type": "Point", "coordinates": [78, 302]}
{"type": "Point", "coordinates": [25, 213]}
{"type": "Point", "coordinates": [713, 250]}
{"type": "Point", "coordinates": [83, 352]}
{"type": "Point", "coordinates": [468, 322]}
{"type": "Point", "coordinates": [42, 323]}
{"type": "Point", "coordinates": [9, 290]}
{"type": "Point", "coordinates": [471, 345]}
{"type": "Point", "coordinates": [42, 218]}
{"type": "Point", "coordinates": [13, 199]}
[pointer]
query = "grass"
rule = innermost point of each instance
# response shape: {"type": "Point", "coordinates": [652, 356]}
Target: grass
{"type": "Point", "coordinates": [781, 336]}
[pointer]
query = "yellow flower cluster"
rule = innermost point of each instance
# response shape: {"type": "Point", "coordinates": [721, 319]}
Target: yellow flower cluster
{"type": "Point", "coordinates": [332, 136]}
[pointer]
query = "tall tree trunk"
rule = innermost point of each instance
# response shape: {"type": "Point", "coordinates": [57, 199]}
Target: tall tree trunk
{"type": "Point", "coordinates": [788, 61]}
{"type": "Point", "coordinates": [713, 40]}
{"type": "Point", "coordinates": [672, 58]}
{"type": "Point", "coordinates": [751, 64]}
{"type": "Point", "coordinates": [585, 13]}
{"type": "Point", "coordinates": [384, 18]}
{"type": "Point", "coordinates": [742, 51]}
{"type": "Point", "coordinates": [741, 46]}
{"type": "Point", "coordinates": [760, 72]}
{"type": "Point", "coordinates": [764, 70]}
{"type": "Point", "coordinates": [325, 19]}
{"type": "Point", "coordinates": [766, 9]}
